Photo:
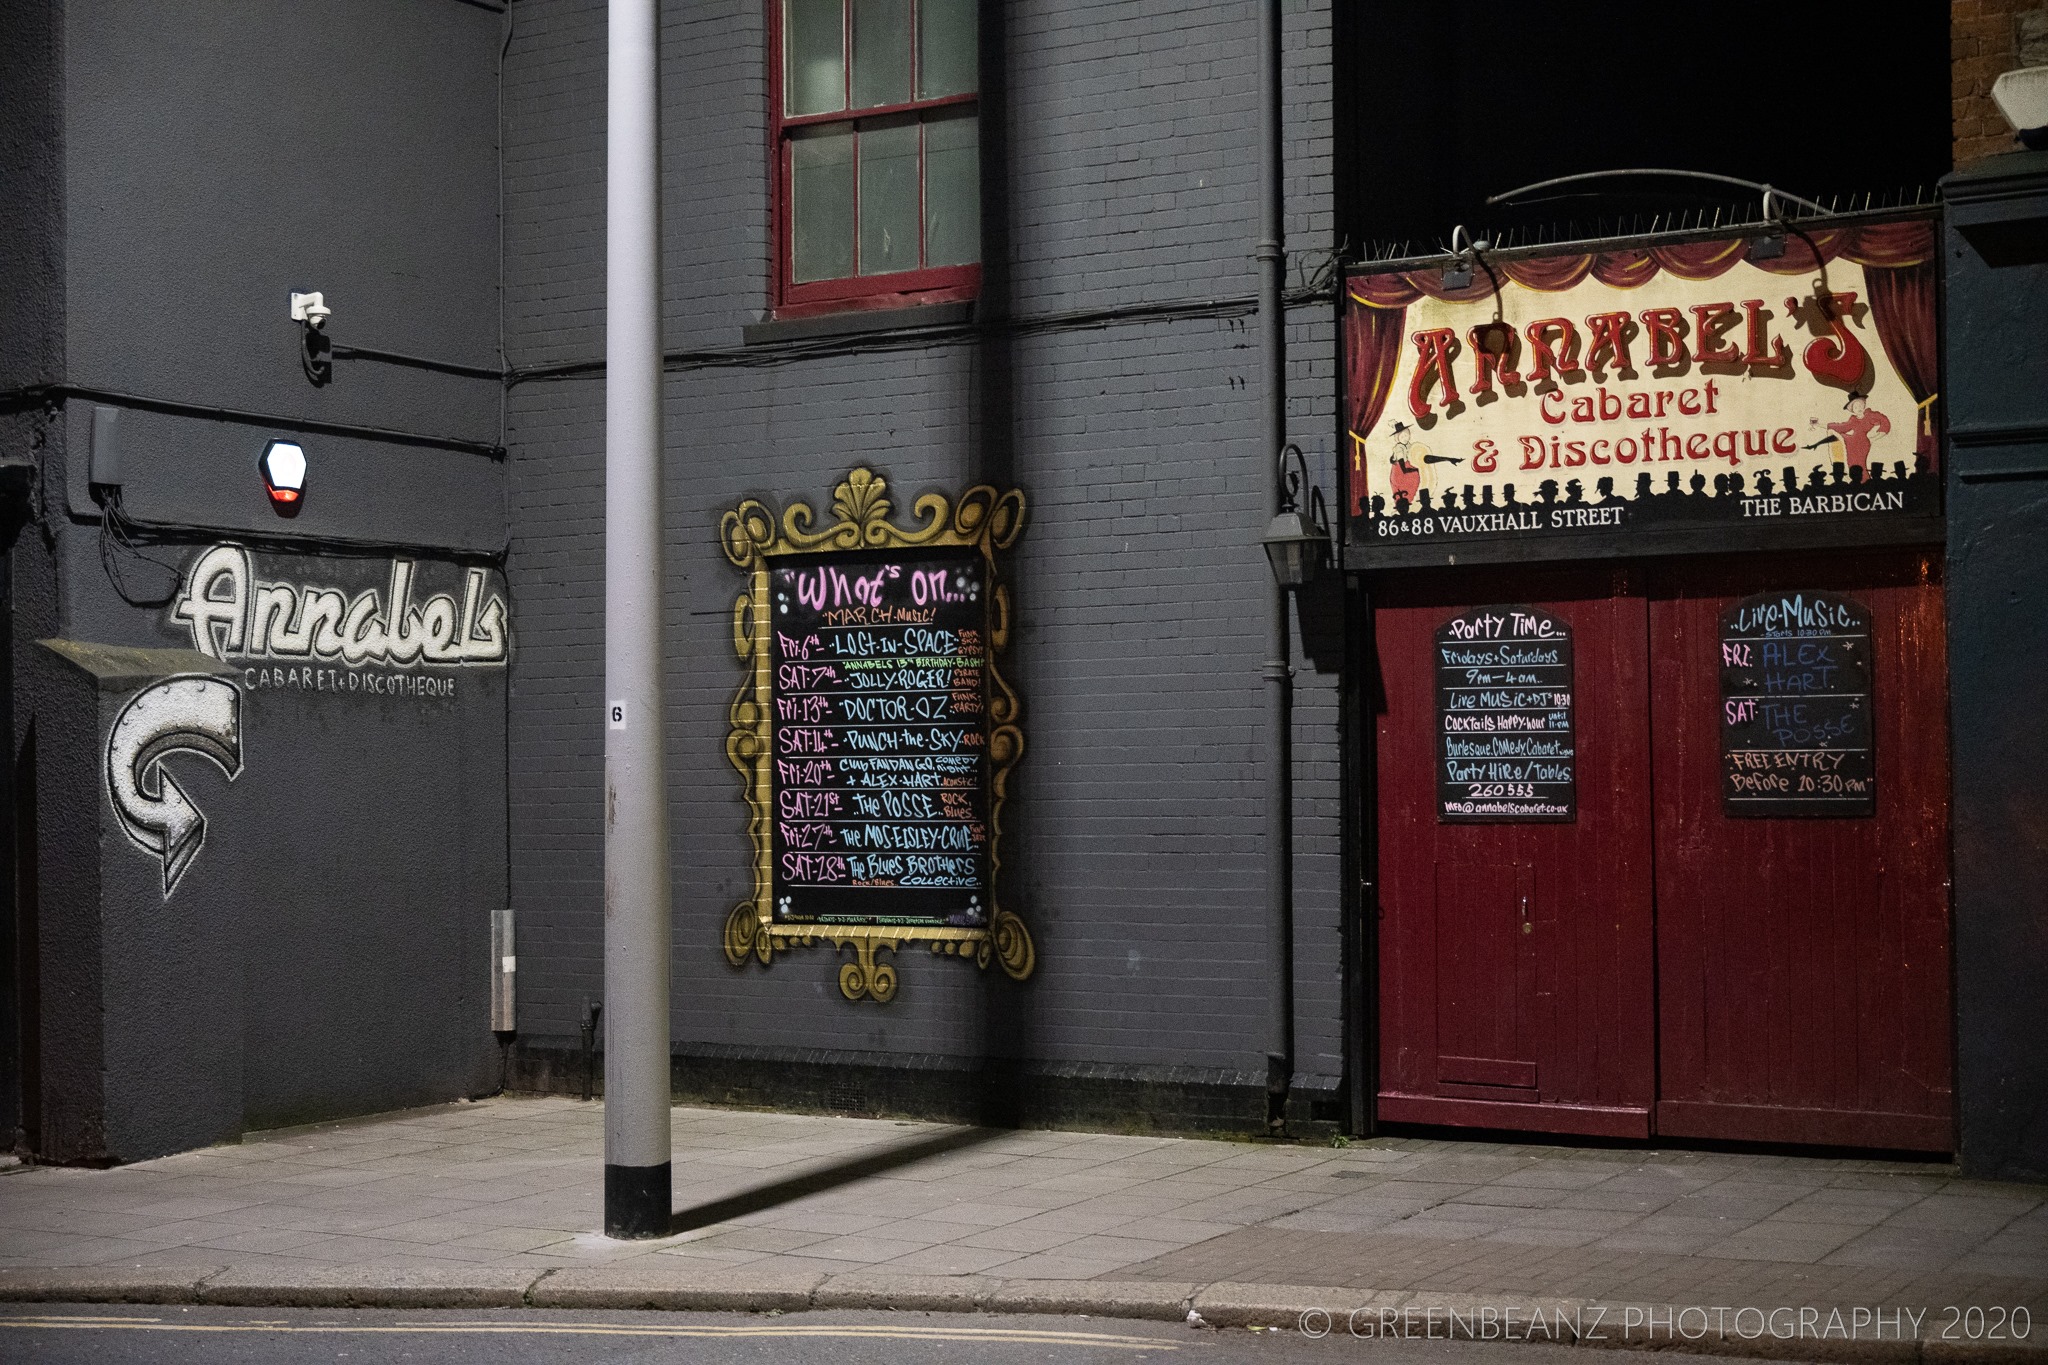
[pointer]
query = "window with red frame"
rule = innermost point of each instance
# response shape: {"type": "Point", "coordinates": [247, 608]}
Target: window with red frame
{"type": "Point", "coordinates": [877, 151]}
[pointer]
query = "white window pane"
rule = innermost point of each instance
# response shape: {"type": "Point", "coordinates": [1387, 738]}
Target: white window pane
{"type": "Point", "coordinates": [952, 191]}
{"type": "Point", "coordinates": [814, 72]}
{"type": "Point", "coordinates": [881, 52]}
{"type": "Point", "coordinates": [821, 205]}
{"type": "Point", "coordinates": [947, 39]}
{"type": "Point", "coordinates": [888, 199]}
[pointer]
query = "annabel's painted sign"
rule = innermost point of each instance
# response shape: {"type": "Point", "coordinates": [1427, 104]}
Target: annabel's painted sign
{"type": "Point", "coordinates": [1669, 394]}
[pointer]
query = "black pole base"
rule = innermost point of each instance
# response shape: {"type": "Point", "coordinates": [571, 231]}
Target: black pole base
{"type": "Point", "coordinates": [637, 1201]}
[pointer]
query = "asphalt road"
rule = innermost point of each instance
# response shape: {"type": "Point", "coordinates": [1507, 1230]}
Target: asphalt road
{"type": "Point", "coordinates": [100, 1334]}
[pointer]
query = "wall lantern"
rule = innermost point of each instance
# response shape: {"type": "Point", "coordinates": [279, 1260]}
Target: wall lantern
{"type": "Point", "coordinates": [284, 476]}
{"type": "Point", "coordinates": [1297, 543]}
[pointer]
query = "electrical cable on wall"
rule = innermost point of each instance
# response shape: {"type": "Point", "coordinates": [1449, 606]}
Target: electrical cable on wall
{"type": "Point", "coordinates": [140, 533]}
{"type": "Point", "coordinates": [901, 338]}
{"type": "Point", "coordinates": [44, 393]}
{"type": "Point", "coordinates": [118, 539]}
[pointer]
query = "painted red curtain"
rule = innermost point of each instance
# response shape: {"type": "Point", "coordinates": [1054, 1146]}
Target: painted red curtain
{"type": "Point", "coordinates": [1898, 260]}
{"type": "Point", "coordinates": [1902, 306]}
{"type": "Point", "coordinates": [1371, 355]}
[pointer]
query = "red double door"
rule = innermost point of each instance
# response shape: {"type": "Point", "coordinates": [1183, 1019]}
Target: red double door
{"type": "Point", "coordinates": [1655, 966]}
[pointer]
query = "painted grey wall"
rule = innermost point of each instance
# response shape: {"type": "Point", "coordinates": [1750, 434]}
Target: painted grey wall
{"type": "Point", "coordinates": [31, 166]}
{"type": "Point", "coordinates": [31, 322]}
{"type": "Point", "coordinates": [204, 160]}
{"type": "Point", "coordinates": [1996, 252]}
{"type": "Point", "coordinates": [326, 953]}
{"type": "Point", "coordinates": [220, 155]}
{"type": "Point", "coordinates": [1135, 832]}
{"type": "Point", "coordinates": [140, 990]}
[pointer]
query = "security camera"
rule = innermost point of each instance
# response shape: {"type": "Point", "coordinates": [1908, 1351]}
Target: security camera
{"type": "Point", "coordinates": [310, 309]}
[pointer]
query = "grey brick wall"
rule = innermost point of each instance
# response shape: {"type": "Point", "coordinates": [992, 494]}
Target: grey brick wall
{"type": "Point", "coordinates": [1136, 834]}
{"type": "Point", "coordinates": [181, 169]}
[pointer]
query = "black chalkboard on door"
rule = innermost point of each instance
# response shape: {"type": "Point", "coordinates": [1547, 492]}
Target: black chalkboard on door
{"type": "Point", "coordinates": [1507, 746]}
{"type": "Point", "coordinates": [1795, 707]}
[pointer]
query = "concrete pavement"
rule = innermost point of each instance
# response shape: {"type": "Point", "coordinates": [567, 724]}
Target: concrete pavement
{"type": "Point", "coordinates": [470, 1205]}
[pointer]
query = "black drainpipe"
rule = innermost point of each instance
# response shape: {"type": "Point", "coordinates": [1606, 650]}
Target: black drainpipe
{"type": "Point", "coordinates": [1271, 255]}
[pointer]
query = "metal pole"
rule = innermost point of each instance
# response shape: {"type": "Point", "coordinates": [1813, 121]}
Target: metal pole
{"type": "Point", "coordinates": [1272, 264]}
{"type": "Point", "coordinates": [636, 872]}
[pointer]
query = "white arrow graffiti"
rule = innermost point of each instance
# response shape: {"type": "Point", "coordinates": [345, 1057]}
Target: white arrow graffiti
{"type": "Point", "coordinates": [189, 714]}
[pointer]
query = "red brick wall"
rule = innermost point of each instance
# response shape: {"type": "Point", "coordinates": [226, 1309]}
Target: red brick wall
{"type": "Point", "coordinates": [1983, 44]}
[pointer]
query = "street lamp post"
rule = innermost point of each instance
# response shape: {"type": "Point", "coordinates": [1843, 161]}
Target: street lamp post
{"type": "Point", "coordinates": [636, 871]}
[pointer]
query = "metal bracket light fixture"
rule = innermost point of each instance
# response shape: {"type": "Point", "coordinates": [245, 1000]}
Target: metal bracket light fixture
{"type": "Point", "coordinates": [1297, 541]}
{"type": "Point", "coordinates": [1458, 274]}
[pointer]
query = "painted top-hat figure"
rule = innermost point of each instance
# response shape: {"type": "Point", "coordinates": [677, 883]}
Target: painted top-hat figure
{"type": "Point", "coordinates": [1404, 464]}
{"type": "Point", "coordinates": [1854, 434]}
{"type": "Point", "coordinates": [1408, 464]}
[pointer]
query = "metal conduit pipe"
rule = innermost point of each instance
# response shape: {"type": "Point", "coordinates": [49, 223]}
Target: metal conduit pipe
{"type": "Point", "coordinates": [1271, 255]}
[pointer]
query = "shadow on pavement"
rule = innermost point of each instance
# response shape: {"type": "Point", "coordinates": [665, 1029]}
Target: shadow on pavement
{"type": "Point", "coordinates": [817, 1181]}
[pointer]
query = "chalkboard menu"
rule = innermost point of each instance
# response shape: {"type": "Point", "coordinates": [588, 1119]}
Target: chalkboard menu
{"type": "Point", "coordinates": [1795, 707]}
{"type": "Point", "coordinates": [1506, 732]}
{"type": "Point", "coordinates": [880, 752]}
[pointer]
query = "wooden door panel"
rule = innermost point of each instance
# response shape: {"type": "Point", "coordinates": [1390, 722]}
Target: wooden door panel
{"type": "Point", "coordinates": [1803, 978]}
{"type": "Point", "coordinates": [1515, 959]}
{"type": "Point", "coordinates": [1483, 985]}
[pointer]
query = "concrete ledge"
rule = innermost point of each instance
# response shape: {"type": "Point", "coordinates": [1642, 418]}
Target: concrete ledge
{"type": "Point", "coordinates": [1480, 1317]}
{"type": "Point", "coordinates": [1152, 1300]}
{"type": "Point", "coordinates": [856, 321]}
{"type": "Point", "coordinates": [103, 1284]}
{"type": "Point", "coordinates": [676, 1283]}
{"type": "Point", "coordinates": [1230, 1304]}
{"type": "Point", "coordinates": [315, 1285]}
{"type": "Point", "coordinates": [1985, 1352]}
{"type": "Point", "coordinates": [913, 1293]}
{"type": "Point", "coordinates": [1655, 1327]}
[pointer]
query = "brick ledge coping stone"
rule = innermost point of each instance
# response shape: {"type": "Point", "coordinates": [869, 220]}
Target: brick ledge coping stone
{"type": "Point", "coordinates": [1314, 1310]}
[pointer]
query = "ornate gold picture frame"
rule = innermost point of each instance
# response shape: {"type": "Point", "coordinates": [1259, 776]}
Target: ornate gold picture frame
{"type": "Point", "coordinates": [982, 519]}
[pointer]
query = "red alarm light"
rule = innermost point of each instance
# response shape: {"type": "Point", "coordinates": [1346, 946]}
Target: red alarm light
{"type": "Point", "coordinates": [284, 476]}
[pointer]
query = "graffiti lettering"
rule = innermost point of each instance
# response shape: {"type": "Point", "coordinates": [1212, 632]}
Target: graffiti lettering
{"type": "Point", "coordinates": [192, 714]}
{"type": "Point", "coordinates": [232, 614]}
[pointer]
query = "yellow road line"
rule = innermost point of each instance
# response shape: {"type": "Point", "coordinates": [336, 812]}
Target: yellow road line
{"type": "Point", "coordinates": [1019, 1335]}
{"type": "Point", "coordinates": [90, 1317]}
